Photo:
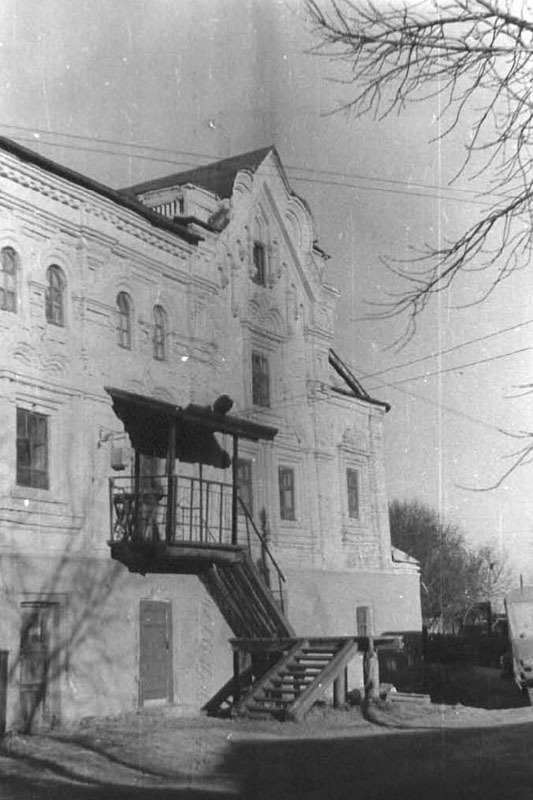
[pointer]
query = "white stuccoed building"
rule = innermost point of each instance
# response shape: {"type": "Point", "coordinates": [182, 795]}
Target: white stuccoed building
{"type": "Point", "coordinates": [124, 316]}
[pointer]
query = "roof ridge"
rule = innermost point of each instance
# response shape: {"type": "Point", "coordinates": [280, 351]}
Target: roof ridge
{"type": "Point", "coordinates": [215, 175]}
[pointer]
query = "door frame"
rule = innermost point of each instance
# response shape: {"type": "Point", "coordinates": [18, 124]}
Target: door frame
{"type": "Point", "coordinates": [48, 712]}
{"type": "Point", "coordinates": [170, 650]}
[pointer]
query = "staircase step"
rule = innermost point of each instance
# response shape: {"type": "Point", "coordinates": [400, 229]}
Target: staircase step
{"type": "Point", "coordinates": [269, 703]}
{"type": "Point", "coordinates": [289, 680]}
{"type": "Point", "coordinates": [301, 675]}
{"type": "Point", "coordinates": [302, 670]}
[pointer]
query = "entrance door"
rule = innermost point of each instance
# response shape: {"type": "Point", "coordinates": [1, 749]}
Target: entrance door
{"type": "Point", "coordinates": [38, 666]}
{"type": "Point", "coordinates": [155, 657]}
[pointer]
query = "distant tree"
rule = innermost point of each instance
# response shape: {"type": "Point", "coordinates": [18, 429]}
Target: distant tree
{"type": "Point", "coordinates": [476, 57]}
{"type": "Point", "coordinates": [454, 577]}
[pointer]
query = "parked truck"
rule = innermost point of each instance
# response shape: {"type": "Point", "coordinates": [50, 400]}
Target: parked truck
{"type": "Point", "coordinates": [519, 607]}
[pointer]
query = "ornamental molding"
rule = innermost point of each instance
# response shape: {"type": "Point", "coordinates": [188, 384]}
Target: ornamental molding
{"type": "Point", "coordinates": [50, 365]}
{"type": "Point", "coordinates": [264, 318]}
{"type": "Point", "coordinates": [103, 211]}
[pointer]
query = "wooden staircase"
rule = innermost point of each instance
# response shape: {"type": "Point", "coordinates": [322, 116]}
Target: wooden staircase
{"type": "Point", "coordinates": [246, 602]}
{"type": "Point", "coordinates": [275, 673]}
{"type": "Point", "coordinates": [299, 678]}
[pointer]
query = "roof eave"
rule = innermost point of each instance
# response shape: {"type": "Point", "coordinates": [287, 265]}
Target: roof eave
{"type": "Point", "coordinates": [158, 221]}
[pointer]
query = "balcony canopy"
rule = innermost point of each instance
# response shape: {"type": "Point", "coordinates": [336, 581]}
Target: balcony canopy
{"type": "Point", "coordinates": [148, 423]}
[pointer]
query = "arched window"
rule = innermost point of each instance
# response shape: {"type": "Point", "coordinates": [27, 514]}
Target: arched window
{"type": "Point", "coordinates": [124, 320]}
{"type": "Point", "coordinates": [160, 332]}
{"type": "Point", "coordinates": [55, 296]}
{"type": "Point", "coordinates": [8, 284]}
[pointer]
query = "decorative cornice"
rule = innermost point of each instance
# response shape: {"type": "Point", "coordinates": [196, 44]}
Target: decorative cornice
{"type": "Point", "coordinates": [105, 210]}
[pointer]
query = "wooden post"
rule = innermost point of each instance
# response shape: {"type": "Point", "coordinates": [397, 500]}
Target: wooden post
{"type": "Point", "coordinates": [371, 672]}
{"type": "Point", "coordinates": [339, 689]}
{"type": "Point", "coordinates": [170, 469]}
{"type": "Point", "coordinates": [235, 489]}
{"type": "Point", "coordinates": [201, 522]}
{"type": "Point", "coordinates": [236, 677]}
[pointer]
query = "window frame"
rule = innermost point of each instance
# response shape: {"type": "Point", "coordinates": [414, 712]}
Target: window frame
{"type": "Point", "coordinates": [363, 620]}
{"type": "Point", "coordinates": [261, 381]}
{"type": "Point", "coordinates": [124, 325]}
{"type": "Point", "coordinates": [245, 465]}
{"type": "Point", "coordinates": [27, 474]}
{"type": "Point", "coordinates": [55, 296]}
{"type": "Point", "coordinates": [287, 512]}
{"type": "Point", "coordinates": [353, 507]}
{"type": "Point", "coordinates": [259, 259]}
{"type": "Point", "coordinates": [159, 349]}
{"type": "Point", "coordinates": [9, 277]}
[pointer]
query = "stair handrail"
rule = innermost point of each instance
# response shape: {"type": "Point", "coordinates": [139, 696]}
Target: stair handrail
{"type": "Point", "coordinates": [262, 540]}
{"type": "Point", "coordinates": [324, 678]}
{"type": "Point", "coordinates": [290, 648]}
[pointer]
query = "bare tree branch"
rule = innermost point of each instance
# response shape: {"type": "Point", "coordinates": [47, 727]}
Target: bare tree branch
{"type": "Point", "coordinates": [476, 56]}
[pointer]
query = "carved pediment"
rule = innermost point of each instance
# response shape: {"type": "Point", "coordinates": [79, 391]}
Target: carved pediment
{"type": "Point", "coordinates": [262, 316]}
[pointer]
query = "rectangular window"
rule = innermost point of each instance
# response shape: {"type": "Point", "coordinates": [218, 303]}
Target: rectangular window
{"type": "Point", "coordinates": [259, 264]}
{"type": "Point", "coordinates": [363, 621]}
{"type": "Point", "coordinates": [260, 381]}
{"type": "Point", "coordinates": [244, 485]}
{"type": "Point", "coordinates": [287, 507]}
{"type": "Point", "coordinates": [32, 449]}
{"type": "Point", "coordinates": [352, 485]}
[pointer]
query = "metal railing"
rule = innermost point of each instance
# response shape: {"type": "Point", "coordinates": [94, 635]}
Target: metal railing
{"type": "Point", "coordinates": [202, 511]}
{"type": "Point", "coordinates": [266, 562]}
{"type": "Point", "coordinates": [138, 515]}
{"type": "Point", "coordinates": [196, 510]}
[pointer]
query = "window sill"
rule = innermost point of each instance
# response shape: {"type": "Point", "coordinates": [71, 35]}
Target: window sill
{"type": "Point", "coordinates": [290, 523]}
{"type": "Point", "coordinates": [24, 493]}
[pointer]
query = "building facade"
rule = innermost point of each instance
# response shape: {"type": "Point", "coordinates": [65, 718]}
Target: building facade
{"type": "Point", "coordinates": [203, 284]}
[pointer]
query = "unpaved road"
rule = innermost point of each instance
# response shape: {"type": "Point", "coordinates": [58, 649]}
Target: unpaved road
{"type": "Point", "coordinates": [408, 751]}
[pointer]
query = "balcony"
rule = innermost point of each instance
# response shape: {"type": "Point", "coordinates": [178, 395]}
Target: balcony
{"type": "Point", "coordinates": [185, 530]}
{"type": "Point", "coordinates": [195, 510]}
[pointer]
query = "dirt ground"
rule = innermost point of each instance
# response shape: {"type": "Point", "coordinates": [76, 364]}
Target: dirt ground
{"type": "Point", "coordinates": [402, 749]}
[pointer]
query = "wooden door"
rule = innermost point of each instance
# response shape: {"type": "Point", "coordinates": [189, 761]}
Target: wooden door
{"type": "Point", "coordinates": [38, 659]}
{"type": "Point", "coordinates": [155, 656]}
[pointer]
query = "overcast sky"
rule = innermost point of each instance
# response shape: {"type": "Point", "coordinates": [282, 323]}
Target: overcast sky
{"type": "Point", "coordinates": [194, 80]}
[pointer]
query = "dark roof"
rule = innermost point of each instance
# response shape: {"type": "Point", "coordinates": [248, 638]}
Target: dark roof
{"type": "Point", "coordinates": [217, 177]}
{"type": "Point", "coordinates": [157, 220]}
{"type": "Point", "coordinates": [147, 422]}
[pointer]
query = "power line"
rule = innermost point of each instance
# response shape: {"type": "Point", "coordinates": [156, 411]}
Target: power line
{"type": "Point", "coordinates": [192, 154]}
{"type": "Point", "coordinates": [296, 400]}
{"type": "Point", "coordinates": [105, 152]}
{"type": "Point", "coordinates": [373, 179]}
{"type": "Point", "coordinates": [139, 156]}
{"type": "Point", "coordinates": [450, 410]}
{"type": "Point", "coordinates": [100, 140]}
{"type": "Point", "coordinates": [448, 349]}
{"type": "Point", "coordinates": [454, 369]}
{"type": "Point", "coordinates": [388, 190]}
{"type": "Point", "coordinates": [440, 406]}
